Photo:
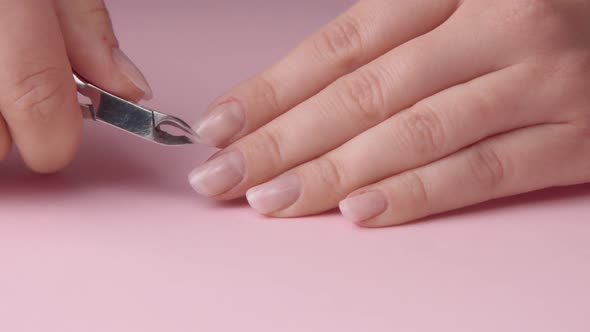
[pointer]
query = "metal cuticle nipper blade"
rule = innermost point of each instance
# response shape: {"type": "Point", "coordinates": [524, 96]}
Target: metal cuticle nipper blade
{"type": "Point", "coordinates": [132, 118]}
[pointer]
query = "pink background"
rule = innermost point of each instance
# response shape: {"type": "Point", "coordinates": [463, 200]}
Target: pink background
{"type": "Point", "coordinates": [120, 243]}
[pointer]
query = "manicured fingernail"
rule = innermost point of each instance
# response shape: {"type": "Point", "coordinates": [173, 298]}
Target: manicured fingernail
{"type": "Point", "coordinates": [364, 206]}
{"type": "Point", "coordinates": [221, 124]}
{"type": "Point", "coordinates": [218, 175]}
{"type": "Point", "coordinates": [129, 69]}
{"type": "Point", "coordinates": [275, 195]}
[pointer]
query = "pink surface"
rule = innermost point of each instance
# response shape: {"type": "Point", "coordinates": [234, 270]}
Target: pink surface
{"type": "Point", "coordinates": [120, 243]}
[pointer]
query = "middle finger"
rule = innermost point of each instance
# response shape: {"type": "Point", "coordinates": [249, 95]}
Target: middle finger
{"type": "Point", "coordinates": [430, 130]}
{"type": "Point", "coordinates": [361, 34]}
{"type": "Point", "coordinates": [445, 57]}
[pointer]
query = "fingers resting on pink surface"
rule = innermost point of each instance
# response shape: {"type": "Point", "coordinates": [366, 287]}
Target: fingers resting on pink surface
{"type": "Point", "coordinates": [402, 113]}
{"type": "Point", "coordinates": [508, 164]}
{"type": "Point", "coordinates": [363, 33]}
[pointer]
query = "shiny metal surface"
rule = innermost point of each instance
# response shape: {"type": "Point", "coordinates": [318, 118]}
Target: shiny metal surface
{"type": "Point", "coordinates": [132, 118]}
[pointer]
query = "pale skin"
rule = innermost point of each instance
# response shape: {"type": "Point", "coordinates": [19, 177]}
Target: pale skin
{"type": "Point", "coordinates": [395, 111]}
{"type": "Point", "coordinates": [403, 109]}
{"type": "Point", "coordinates": [41, 43]}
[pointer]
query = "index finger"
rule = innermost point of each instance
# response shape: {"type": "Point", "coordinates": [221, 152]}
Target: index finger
{"type": "Point", "coordinates": [363, 33]}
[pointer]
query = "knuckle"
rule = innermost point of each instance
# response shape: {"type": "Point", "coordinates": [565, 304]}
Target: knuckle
{"type": "Point", "coordinates": [578, 139]}
{"type": "Point", "coordinates": [97, 14]}
{"type": "Point", "coordinates": [37, 93]}
{"type": "Point", "coordinates": [268, 92]}
{"type": "Point", "coordinates": [488, 170]}
{"type": "Point", "coordinates": [533, 8]}
{"type": "Point", "coordinates": [540, 22]}
{"type": "Point", "coordinates": [423, 130]}
{"type": "Point", "coordinates": [266, 142]}
{"type": "Point", "coordinates": [528, 10]}
{"type": "Point", "coordinates": [363, 94]}
{"type": "Point", "coordinates": [99, 10]}
{"type": "Point", "coordinates": [573, 73]}
{"type": "Point", "coordinates": [341, 42]}
{"type": "Point", "coordinates": [417, 189]}
{"type": "Point", "coordinates": [331, 175]}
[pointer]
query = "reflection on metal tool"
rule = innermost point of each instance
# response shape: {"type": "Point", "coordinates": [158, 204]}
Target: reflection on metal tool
{"type": "Point", "coordinates": [132, 118]}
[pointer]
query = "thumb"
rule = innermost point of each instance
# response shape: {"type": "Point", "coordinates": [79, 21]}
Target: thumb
{"type": "Point", "coordinates": [94, 51]}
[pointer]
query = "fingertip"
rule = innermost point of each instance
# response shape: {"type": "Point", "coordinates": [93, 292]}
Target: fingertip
{"type": "Point", "coordinates": [274, 197]}
{"type": "Point", "coordinates": [218, 176]}
{"type": "Point", "coordinates": [221, 124]}
{"type": "Point", "coordinates": [113, 72]}
{"type": "Point", "coordinates": [94, 51]}
{"type": "Point", "coordinates": [133, 74]}
{"type": "Point", "coordinates": [50, 146]}
{"type": "Point", "coordinates": [362, 207]}
{"type": "Point", "coordinates": [52, 162]}
{"type": "Point", "coordinates": [54, 156]}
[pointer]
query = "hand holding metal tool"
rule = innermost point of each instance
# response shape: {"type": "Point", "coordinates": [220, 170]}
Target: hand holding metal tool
{"type": "Point", "coordinates": [132, 118]}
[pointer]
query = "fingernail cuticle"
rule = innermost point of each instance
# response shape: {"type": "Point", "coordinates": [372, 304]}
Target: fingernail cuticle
{"type": "Point", "coordinates": [221, 124]}
{"type": "Point", "coordinates": [219, 175]}
{"type": "Point", "coordinates": [130, 70]}
{"type": "Point", "coordinates": [275, 195]}
{"type": "Point", "coordinates": [363, 206]}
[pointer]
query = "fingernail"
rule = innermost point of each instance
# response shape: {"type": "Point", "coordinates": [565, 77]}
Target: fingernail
{"type": "Point", "coordinates": [129, 69]}
{"type": "Point", "coordinates": [221, 124]}
{"type": "Point", "coordinates": [275, 195]}
{"type": "Point", "coordinates": [219, 175]}
{"type": "Point", "coordinates": [364, 206]}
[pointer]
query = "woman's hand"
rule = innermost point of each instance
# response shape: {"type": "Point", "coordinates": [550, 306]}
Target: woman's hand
{"type": "Point", "coordinates": [40, 42]}
{"type": "Point", "coordinates": [402, 109]}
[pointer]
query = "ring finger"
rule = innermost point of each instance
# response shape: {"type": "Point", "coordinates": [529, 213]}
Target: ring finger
{"type": "Point", "coordinates": [347, 108]}
{"type": "Point", "coordinates": [516, 162]}
{"type": "Point", "coordinates": [428, 131]}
